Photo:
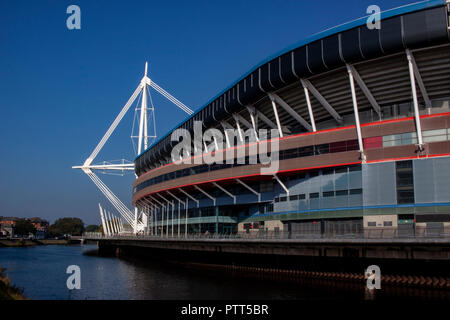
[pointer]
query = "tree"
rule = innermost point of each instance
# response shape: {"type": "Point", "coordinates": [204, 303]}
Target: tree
{"type": "Point", "coordinates": [23, 227]}
{"type": "Point", "coordinates": [62, 226]}
{"type": "Point", "coordinates": [93, 228]}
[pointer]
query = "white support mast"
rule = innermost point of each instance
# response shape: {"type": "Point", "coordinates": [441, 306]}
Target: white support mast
{"type": "Point", "coordinates": [143, 144]}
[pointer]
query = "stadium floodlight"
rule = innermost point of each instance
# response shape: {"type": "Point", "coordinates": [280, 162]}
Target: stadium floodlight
{"type": "Point", "coordinates": [143, 143]}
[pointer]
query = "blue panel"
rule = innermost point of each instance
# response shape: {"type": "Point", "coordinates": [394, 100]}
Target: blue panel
{"type": "Point", "coordinates": [424, 28]}
{"type": "Point", "coordinates": [355, 200]}
{"type": "Point", "coordinates": [350, 49]}
{"type": "Point", "coordinates": [330, 50]}
{"type": "Point", "coordinates": [391, 35]}
{"type": "Point", "coordinates": [274, 73]}
{"type": "Point", "coordinates": [442, 179]}
{"type": "Point", "coordinates": [264, 78]}
{"type": "Point", "coordinates": [370, 42]}
{"type": "Point", "coordinates": [224, 201]}
{"type": "Point", "coordinates": [286, 68]}
{"type": "Point", "coordinates": [327, 182]}
{"type": "Point", "coordinates": [314, 204]}
{"type": "Point", "coordinates": [355, 180]}
{"type": "Point", "coordinates": [251, 91]}
{"type": "Point", "coordinates": [303, 205]}
{"type": "Point", "coordinates": [341, 181]}
{"type": "Point", "coordinates": [327, 202]}
{"type": "Point", "coordinates": [315, 61]}
{"type": "Point", "coordinates": [341, 201]}
{"type": "Point", "coordinates": [300, 64]}
{"type": "Point", "coordinates": [379, 184]}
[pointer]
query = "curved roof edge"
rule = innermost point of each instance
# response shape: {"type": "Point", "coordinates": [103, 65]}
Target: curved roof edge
{"type": "Point", "coordinates": [417, 6]}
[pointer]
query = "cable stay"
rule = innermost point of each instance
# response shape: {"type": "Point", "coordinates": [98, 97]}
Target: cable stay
{"type": "Point", "coordinates": [136, 220]}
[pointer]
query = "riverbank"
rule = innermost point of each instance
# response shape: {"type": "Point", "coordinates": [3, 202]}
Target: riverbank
{"type": "Point", "coordinates": [28, 243]}
{"type": "Point", "coordinates": [7, 290]}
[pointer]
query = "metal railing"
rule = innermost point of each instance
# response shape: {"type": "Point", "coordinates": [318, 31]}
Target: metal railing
{"type": "Point", "coordinates": [381, 233]}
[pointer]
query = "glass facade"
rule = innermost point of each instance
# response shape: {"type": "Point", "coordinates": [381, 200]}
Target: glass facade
{"type": "Point", "coordinates": [406, 138]}
{"type": "Point", "coordinates": [283, 155]}
{"type": "Point", "coordinates": [405, 181]}
{"type": "Point", "coordinates": [329, 196]}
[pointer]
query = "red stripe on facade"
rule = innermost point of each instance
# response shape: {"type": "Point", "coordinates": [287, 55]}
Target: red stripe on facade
{"type": "Point", "coordinates": [304, 134]}
{"type": "Point", "coordinates": [298, 169]}
{"type": "Point", "coordinates": [252, 175]}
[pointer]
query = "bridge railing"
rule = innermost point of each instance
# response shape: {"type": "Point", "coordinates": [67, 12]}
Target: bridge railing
{"type": "Point", "coordinates": [381, 233]}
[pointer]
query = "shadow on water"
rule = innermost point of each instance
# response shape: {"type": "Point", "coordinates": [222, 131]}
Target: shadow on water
{"type": "Point", "coordinates": [41, 272]}
{"type": "Point", "coordinates": [211, 281]}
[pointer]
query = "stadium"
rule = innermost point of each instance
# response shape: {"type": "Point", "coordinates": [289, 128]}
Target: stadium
{"type": "Point", "coordinates": [363, 122]}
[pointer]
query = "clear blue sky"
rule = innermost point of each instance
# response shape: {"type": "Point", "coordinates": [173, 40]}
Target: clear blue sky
{"type": "Point", "coordinates": [60, 89]}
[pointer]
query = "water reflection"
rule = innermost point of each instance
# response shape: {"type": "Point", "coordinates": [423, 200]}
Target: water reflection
{"type": "Point", "coordinates": [41, 272]}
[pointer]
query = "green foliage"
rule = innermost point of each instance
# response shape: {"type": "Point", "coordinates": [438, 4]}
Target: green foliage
{"type": "Point", "coordinates": [7, 290]}
{"type": "Point", "coordinates": [62, 226]}
{"type": "Point", "coordinates": [93, 228]}
{"type": "Point", "coordinates": [23, 227]}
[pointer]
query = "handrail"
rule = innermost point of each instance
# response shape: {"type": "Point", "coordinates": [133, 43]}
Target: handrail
{"type": "Point", "coordinates": [382, 233]}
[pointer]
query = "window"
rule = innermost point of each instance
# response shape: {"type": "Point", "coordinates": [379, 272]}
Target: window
{"type": "Point", "coordinates": [399, 139]}
{"type": "Point", "coordinates": [340, 146]}
{"type": "Point", "coordinates": [405, 196]}
{"type": "Point", "coordinates": [387, 223]}
{"type": "Point", "coordinates": [408, 138]}
{"type": "Point", "coordinates": [355, 191]}
{"type": "Point", "coordinates": [282, 199]}
{"type": "Point", "coordinates": [371, 224]}
{"type": "Point", "coordinates": [291, 153]}
{"type": "Point", "coordinates": [328, 171]}
{"type": "Point", "coordinates": [352, 145]}
{"type": "Point", "coordinates": [373, 142]}
{"type": "Point", "coordinates": [328, 194]}
{"type": "Point", "coordinates": [355, 167]}
{"type": "Point", "coordinates": [314, 195]}
{"type": "Point", "coordinates": [341, 192]}
{"type": "Point", "coordinates": [341, 170]}
{"type": "Point", "coordinates": [301, 197]}
{"type": "Point", "coordinates": [405, 181]}
{"type": "Point", "coordinates": [434, 135]}
{"type": "Point", "coordinates": [321, 149]}
{"type": "Point", "coordinates": [293, 198]}
{"type": "Point", "coordinates": [305, 151]}
{"type": "Point", "coordinates": [313, 174]}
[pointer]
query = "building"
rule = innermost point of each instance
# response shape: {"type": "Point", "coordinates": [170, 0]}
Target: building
{"type": "Point", "coordinates": [41, 227]}
{"type": "Point", "coordinates": [7, 226]}
{"type": "Point", "coordinates": [363, 120]}
{"type": "Point", "coordinates": [39, 224]}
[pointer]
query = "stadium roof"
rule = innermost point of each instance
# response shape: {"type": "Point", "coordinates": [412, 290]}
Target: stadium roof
{"type": "Point", "coordinates": [417, 34]}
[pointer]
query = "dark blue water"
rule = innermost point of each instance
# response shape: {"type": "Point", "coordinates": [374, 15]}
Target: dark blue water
{"type": "Point", "coordinates": [41, 272]}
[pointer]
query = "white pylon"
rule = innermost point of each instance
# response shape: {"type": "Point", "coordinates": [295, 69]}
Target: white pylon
{"type": "Point", "coordinates": [143, 139]}
{"type": "Point", "coordinates": [102, 218]}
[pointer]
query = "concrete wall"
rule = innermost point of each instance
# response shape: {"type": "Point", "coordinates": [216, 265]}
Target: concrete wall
{"type": "Point", "coordinates": [379, 220]}
{"type": "Point", "coordinates": [272, 224]}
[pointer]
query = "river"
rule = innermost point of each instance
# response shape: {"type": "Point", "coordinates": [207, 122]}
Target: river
{"type": "Point", "coordinates": [41, 272]}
